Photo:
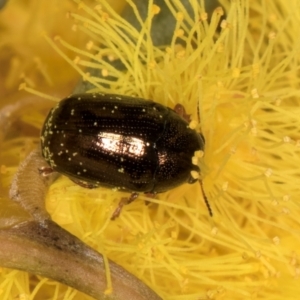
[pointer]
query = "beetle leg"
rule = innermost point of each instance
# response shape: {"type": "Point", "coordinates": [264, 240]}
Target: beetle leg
{"type": "Point", "coordinates": [150, 195]}
{"type": "Point", "coordinates": [45, 171]}
{"type": "Point", "coordinates": [84, 184]}
{"type": "Point", "coordinates": [180, 110]}
{"type": "Point", "coordinates": [124, 201]}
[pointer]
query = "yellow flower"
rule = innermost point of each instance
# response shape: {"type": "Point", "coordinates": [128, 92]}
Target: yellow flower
{"type": "Point", "coordinates": [241, 69]}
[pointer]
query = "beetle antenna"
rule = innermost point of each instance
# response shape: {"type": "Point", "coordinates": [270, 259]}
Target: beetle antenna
{"type": "Point", "coordinates": [205, 199]}
{"type": "Point", "coordinates": [198, 112]}
{"type": "Point", "coordinates": [200, 181]}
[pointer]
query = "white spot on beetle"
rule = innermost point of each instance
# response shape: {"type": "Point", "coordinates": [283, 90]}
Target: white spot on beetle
{"type": "Point", "coordinates": [121, 170]}
{"type": "Point", "coordinates": [80, 130]}
{"type": "Point", "coordinates": [104, 108]}
{"type": "Point", "coordinates": [80, 163]}
{"type": "Point", "coordinates": [116, 107]}
{"type": "Point", "coordinates": [84, 170]}
{"type": "Point", "coordinates": [75, 153]}
{"type": "Point", "coordinates": [112, 111]}
{"type": "Point", "coordinates": [48, 156]}
{"type": "Point", "coordinates": [95, 123]}
{"type": "Point", "coordinates": [69, 159]}
{"type": "Point", "coordinates": [62, 144]}
{"type": "Point", "coordinates": [78, 173]}
{"type": "Point", "coordinates": [72, 112]}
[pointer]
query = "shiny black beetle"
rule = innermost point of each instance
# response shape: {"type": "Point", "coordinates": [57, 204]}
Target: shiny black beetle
{"type": "Point", "coordinates": [122, 142]}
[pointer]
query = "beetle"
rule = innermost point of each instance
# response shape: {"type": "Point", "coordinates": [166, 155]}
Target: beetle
{"type": "Point", "coordinates": [123, 142]}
